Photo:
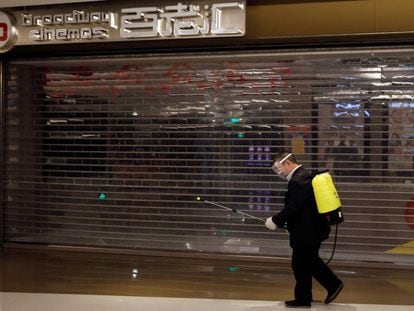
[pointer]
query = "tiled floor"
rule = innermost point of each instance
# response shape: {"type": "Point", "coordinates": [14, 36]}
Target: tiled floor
{"type": "Point", "coordinates": [66, 302]}
{"type": "Point", "coordinates": [56, 280]}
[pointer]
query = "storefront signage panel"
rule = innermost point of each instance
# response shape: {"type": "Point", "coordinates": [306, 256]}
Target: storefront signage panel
{"type": "Point", "coordinates": [8, 32]}
{"type": "Point", "coordinates": [131, 21]}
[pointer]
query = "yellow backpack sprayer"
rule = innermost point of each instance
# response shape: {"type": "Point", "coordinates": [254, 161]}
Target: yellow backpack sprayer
{"type": "Point", "coordinates": [327, 202]}
{"type": "Point", "coordinates": [327, 198]}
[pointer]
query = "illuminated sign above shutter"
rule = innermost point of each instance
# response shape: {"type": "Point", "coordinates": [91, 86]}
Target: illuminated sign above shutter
{"type": "Point", "coordinates": [114, 22]}
{"type": "Point", "coordinates": [8, 34]}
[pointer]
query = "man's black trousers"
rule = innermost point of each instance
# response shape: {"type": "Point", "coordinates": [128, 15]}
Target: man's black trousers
{"type": "Point", "coordinates": [306, 264]}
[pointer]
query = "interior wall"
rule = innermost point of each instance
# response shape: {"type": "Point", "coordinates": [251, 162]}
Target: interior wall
{"type": "Point", "coordinates": [284, 19]}
{"type": "Point", "coordinates": [315, 18]}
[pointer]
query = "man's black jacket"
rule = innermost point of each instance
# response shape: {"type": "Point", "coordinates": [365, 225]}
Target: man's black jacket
{"type": "Point", "coordinates": [300, 215]}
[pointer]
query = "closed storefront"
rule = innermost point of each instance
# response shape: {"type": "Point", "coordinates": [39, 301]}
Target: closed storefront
{"type": "Point", "coordinates": [121, 150]}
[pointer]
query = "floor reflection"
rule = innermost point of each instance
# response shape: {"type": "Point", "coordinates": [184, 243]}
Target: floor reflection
{"type": "Point", "coordinates": [64, 272]}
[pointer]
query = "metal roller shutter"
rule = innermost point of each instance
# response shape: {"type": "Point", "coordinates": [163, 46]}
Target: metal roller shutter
{"type": "Point", "coordinates": [113, 151]}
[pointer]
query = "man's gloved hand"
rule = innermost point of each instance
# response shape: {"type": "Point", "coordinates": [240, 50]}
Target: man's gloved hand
{"type": "Point", "coordinates": [270, 224]}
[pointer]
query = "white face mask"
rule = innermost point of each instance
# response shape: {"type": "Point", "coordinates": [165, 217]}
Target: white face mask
{"type": "Point", "coordinates": [279, 172]}
{"type": "Point", "coordinates": [282, 175]}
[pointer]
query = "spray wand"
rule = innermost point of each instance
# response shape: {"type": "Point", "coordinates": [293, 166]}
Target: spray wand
{"type": "Point", "coordinates": [232, 209]}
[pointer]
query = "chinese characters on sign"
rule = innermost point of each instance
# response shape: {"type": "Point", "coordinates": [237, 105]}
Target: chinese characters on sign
{"type": "Point", "coordinates": [180, 20]}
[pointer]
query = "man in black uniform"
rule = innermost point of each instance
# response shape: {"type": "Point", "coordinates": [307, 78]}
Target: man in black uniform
{"type": "Point", "coordinates": [307, 230]}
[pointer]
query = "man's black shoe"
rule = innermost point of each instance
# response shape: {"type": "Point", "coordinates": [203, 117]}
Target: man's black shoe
{"type": "Point", "coordinates": [297, 304]}
{"type": "Point", "coordinates": [334, 293]}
